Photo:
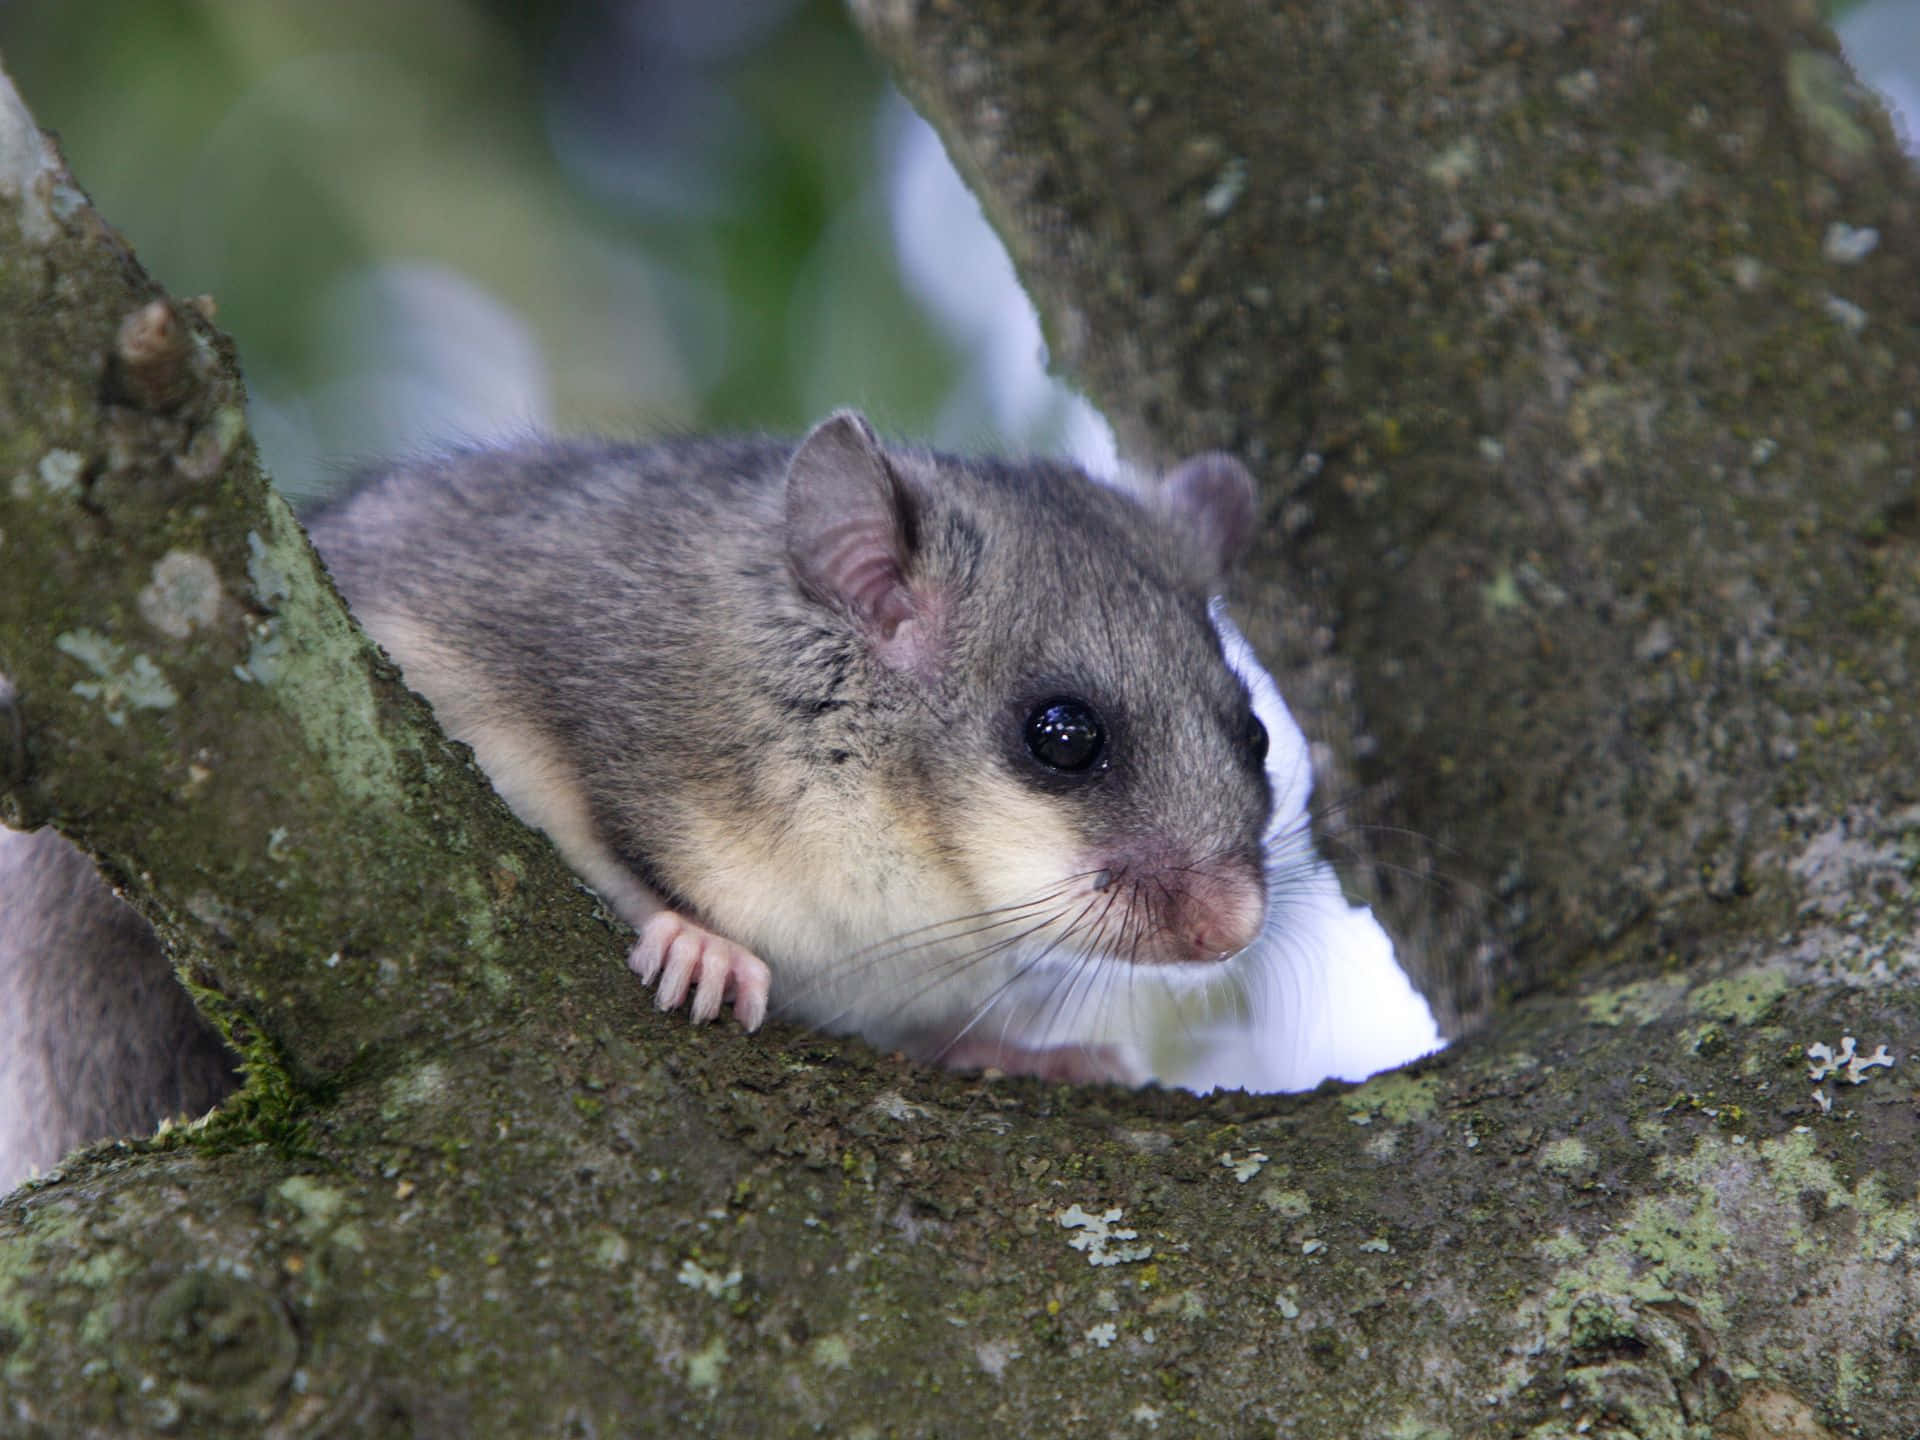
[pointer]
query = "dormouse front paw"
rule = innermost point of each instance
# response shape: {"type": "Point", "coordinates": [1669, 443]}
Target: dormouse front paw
{"type": "Point", "coordinates": [681, 955]}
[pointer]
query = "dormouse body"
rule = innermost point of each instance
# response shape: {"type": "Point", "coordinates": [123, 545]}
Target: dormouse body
{"type": "Point", "coordinates": [97, 1037]}
{"type": "Point", "coordinates": [878, 736]}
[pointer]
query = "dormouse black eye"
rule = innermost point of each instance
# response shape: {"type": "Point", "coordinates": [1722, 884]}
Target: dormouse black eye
{"type": "Point", "coordinates": [1257, 742]}
{"type": "Point", "coordinates": [1065, 734]}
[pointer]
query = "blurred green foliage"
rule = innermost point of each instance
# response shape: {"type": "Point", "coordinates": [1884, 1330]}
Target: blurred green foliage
{"type": "Point", "coordinates": [428, 220]}
{"type": "Point", "coordinates": [277, 153]}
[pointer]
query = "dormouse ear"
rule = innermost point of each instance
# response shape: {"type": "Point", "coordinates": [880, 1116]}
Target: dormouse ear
{"type": "Point", "coordinates": [1211, 497]}
{"type": "Point", "coordinates": [849, 532]}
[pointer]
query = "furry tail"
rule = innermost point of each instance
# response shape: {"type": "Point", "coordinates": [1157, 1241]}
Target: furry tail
{"type": "Point", "coordinates": [97, 1038]}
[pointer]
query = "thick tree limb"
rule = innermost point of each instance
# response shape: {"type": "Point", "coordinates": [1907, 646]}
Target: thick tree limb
{"type": "Point", "coordinates": [1599, 420]}
{"type": "Point", "coordinates": [515, 1203]}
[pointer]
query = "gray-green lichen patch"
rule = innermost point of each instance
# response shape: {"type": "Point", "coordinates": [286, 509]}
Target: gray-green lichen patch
{"type": "Point", "coordinates": [1835, 859]}
{"type": "Point", "coordinates": [60, 472]}
{"type": "Point", "coordinates": [1098, 1235]}
{"type": "Point", "coordinates": [1395, 1098]}
{"type": "Point", "coordinates": [610, 1249]}
{"type": "Point", "coordinates": [209, 1345]}
{"type": "Point", "coordinates": [1743, 999]}
{"type": "Point", "coordinates": [1560, 1248]}
{"type": "Point", "coordinates": [712, 1283]}
{"type": "Point", "coordinates": [183, 595]}
{"type": "Point", "coordinates": [1455, 165]}
{"type": "Point", "coordinates": [425, 1084]}
{"type": "Point", "coordinates": [1244, 1167]}
{"type": "Point", "coordinates": [1735, 1219]}
{"type": "Point", "coordinates": [1828, 104]}
{"type": "Point", "coordinates": [317, 1205]}
{"type": "Point", "coordinates": [1887, 1228]}
{"type": "Point", "coordinates": [1227, 189]}
{"type": "Point", "coordinates": [320, 1213]}
{"type": "Point", "coordinates": [27, 1263]}
{"type": "Point", "coordinates": [305, 653]}
{"type": "Point", "coordinates": [1639, 1002]}
{"type": "Point", "coordinates": [1570, 1156]}
{"type": "Point", "coordinates": [1664, 1244]}
{"type": "Point", "coordinates": [832, 1352]}
{"type": "Point", "coordinates": [705, 1367]}
{"type": "Point", "coordinates": [1290, 1203]}
{"type": "Point", "coordinates": [1849, 1063]}
{"type": "Point", "coordinates": [21, 1264]}
{"type": "Point", "coordinates": [1501, 593]}
{"type": "Point", "coordinates": [124, 682]}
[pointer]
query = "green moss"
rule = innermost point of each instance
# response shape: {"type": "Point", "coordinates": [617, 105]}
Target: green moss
{"type": "Point", "coordinates": [483, 932]}
{"type": "Point", "coordinates": [20, 1263]}
{"type": "Point", "coordinates": [270, 1108]}
{"type": "Point", "coordinates": [334, 708]}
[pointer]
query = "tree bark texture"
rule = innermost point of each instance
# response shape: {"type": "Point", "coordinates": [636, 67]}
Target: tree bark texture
{"type": "Point", "coordinates": [1591, 457]}
{"type": "Point", "coordinates": [1590, 544]}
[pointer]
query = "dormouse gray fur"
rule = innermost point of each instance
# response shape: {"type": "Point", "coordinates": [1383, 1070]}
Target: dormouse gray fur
{"type": "Point", "coordinates": [863, 733]}
{"type": "Point", "coordinates": [902, 744]}
{"type": "Point", "coordinates": [96, 1036]}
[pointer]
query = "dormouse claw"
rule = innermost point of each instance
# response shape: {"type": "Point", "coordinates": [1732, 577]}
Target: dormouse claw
{"type": "Point", "coordinates": [682, 956]}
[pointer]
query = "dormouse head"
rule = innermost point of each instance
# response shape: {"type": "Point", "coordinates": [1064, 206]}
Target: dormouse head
{"type": "Point", "coordinates": [1068, 744]}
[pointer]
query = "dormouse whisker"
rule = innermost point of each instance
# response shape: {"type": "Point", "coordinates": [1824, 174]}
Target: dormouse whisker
{"type": "Point", "coordinates": [946, 968]}
{"type": "Point", "coordinates": [1026, 967]}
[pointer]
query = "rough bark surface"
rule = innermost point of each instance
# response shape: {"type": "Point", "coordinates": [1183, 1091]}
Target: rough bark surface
{"type": "Point", "coordinates": [1590, 455]}
{"type": "Point", "coordinates": [1603, 499]}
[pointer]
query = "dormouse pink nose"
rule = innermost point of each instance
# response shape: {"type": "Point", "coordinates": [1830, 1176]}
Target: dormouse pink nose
{"type": "Point", "coordinates": [1182, 912]}
{"type": "Point", "coordinates": [1222, 911]}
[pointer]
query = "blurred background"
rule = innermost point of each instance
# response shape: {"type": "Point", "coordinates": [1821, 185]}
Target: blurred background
{"type": "Point", "coordinates": [430, 220]}
{"type": "Point", "coordinates": [433, 220]}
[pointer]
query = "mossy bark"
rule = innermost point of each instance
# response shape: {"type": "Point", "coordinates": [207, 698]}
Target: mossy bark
{"type": "Point", "coordinates": [1591, 517]}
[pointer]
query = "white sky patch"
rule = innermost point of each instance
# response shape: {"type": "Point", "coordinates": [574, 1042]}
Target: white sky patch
{"type": "Point", "coordinates": [1882, 42]}
{"type": "Point", "coordinates": [956, 267]}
